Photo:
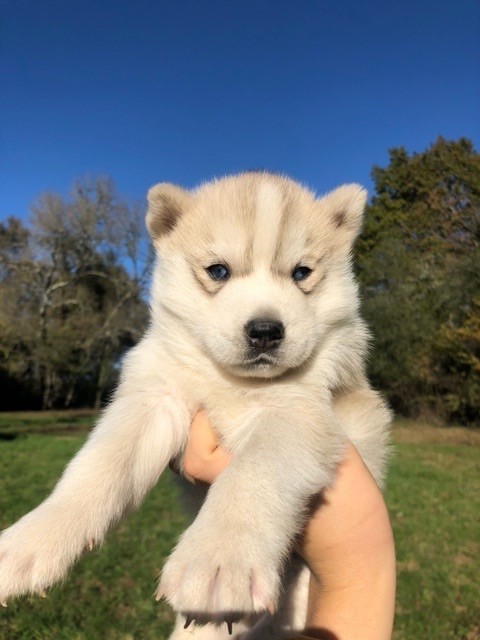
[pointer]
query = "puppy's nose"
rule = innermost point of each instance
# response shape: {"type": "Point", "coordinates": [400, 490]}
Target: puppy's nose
{"type": "Point", "coordinates": [264, 334]}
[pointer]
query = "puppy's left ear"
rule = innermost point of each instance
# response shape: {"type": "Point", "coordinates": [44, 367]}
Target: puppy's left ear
{"type": "Point", "coordinates": [166, 203]}
{"type": "Point", "coordinates": [343, 210]}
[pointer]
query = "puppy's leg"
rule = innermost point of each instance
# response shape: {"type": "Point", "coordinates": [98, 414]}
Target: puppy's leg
{"type": "Point", "coordinates": [229, 560]}
{"type": "Point", "coordinates": [122, 459]}
{"type": "Point", "coordinates": [366, 419]}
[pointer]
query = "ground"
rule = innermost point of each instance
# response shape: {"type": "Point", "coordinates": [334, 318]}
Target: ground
{"type": "Point", "coordinates": [433, 495]}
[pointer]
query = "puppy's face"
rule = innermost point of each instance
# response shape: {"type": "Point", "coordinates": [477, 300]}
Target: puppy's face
{"type": "Point", "coordinates": [255, 267]}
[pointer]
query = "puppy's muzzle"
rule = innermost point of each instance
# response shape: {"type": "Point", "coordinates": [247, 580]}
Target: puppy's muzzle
{"type": "Point", "coordinates": [263, 334]}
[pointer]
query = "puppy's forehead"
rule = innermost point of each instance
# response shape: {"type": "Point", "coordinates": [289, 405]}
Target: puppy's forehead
{"type": "Point", "coordinates": [260, 218]}
{"type": "Point", "coordinates": [270, 215]}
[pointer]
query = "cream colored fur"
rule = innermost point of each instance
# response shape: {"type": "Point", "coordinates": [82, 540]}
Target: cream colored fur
{"type": "Point", "coordinates": [285, 418]}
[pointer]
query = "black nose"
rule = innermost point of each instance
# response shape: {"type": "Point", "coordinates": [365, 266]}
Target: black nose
{"type": "Point", "coordinates": [264, 334]}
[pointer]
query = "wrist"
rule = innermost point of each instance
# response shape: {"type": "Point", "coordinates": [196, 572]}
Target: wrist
{"type": "Point", "coordinates": [358, 606]}
{"type": "Point", "coordinates": [350, 551]}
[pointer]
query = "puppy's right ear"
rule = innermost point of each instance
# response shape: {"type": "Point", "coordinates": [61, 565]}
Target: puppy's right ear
{"type": "Point", "coordinates": [166, 202]}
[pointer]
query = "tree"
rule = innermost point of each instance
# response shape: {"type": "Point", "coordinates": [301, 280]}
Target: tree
{"type": "Point", "coordinates": [82, 282]}
{"type": "Point", "coordinates": [419, 265]}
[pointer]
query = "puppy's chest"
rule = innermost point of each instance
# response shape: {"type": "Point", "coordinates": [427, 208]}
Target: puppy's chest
{"type": "Point", "coordinates": [233, 422]}
{"type": "Point", "coordinates": [234, 414]}
{"type": "Point", "coordinates": [235, 410]}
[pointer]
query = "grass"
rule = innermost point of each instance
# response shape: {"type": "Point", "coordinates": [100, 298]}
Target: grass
{"type": "Point", "coordinates": [433, 496]}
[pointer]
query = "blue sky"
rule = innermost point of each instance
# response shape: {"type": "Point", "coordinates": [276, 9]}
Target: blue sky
{"type": "Point", "coordinates": [182, 91]}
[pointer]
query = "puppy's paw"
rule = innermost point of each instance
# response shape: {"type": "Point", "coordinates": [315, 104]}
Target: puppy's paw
{"type": "Point", "coordinates": [221, 573]}
{"type": "Point", "coordinates": [34, 553]}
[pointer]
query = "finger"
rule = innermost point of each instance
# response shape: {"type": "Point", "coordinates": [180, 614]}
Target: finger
{"type": "Point", "coordinates": [218, 461]}
{"type": "Point", "coordinates": [203, 458]}
{"type": "Point", "coordinates": [202, 437]}
{"type": "Point", "coordinates": [203, 442]}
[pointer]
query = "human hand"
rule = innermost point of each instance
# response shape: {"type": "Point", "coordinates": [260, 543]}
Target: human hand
{"type": "Point", "coordinates": [347, 544]}
{"type": "Point", "coordinates": [203, 459]}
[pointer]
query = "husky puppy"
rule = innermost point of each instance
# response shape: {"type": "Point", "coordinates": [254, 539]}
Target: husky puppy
{"type": "Point", "coordinates": [255, 319]}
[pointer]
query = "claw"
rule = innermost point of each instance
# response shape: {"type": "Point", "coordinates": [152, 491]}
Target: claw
{"type": "Point", "coordinates": [90, 544]}
{"type": "Point", "coordinates": [229, 626]}
{"type": "Point", "coordinates": [159, 596]}
{"type": "Point", "coordinates": [188, 622]}
{"type": "Point", "coordinates": [4, 604]}
{"type": "Point", "coordinates": [42, 594]}
{"type": "Point", "coordinates": [271, 607]}
{"type": "Point", "coordinates": [258, 597]}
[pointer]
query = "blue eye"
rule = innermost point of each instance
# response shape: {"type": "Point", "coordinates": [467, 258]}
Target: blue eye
{"type": "Point", "coordinates": [301, 273]}
{"type": "Point", "coordinates": [218, 272]}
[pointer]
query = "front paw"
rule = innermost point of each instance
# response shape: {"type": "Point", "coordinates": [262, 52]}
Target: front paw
{"type": "Point", "coordinates": [36, 552]}
{"type": "Point", "coordinates": [221, 572]}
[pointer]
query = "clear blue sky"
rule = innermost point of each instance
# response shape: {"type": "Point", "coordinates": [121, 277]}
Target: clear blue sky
{"type": "Point", "coordinates": [184, 90]}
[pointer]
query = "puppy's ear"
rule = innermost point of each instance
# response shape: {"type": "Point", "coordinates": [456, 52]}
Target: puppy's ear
{"type": "Point", "coordinates": [344, 208]}
{"type": "Point", "coordinates": [166, 202]}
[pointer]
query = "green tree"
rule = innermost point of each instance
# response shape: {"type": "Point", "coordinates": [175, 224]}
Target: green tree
{"type": "Point", "coordinates": [419, 265]}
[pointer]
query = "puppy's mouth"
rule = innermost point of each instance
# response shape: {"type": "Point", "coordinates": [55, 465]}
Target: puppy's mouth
{"type": "Point", "coordinates": [260, 365]}
{"type": "Point", "coordinates": [261, 360]}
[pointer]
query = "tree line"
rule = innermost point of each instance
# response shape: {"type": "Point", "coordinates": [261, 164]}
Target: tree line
{"type": "Point", "coordinates": [419, 267]}
{"type": "Point", "coordinates": [72, 297]}
{"type": "Point", "coordinates": [73, 286]}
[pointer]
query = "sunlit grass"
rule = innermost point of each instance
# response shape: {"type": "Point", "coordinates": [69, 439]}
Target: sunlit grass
{"type": "Point", "coordinates": [433, 495]}
{"type": "Point", "coordinates": [109, 594]}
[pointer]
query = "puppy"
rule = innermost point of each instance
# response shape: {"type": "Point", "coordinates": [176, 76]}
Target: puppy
{"type": "Point", "coordinates": [255, 319]}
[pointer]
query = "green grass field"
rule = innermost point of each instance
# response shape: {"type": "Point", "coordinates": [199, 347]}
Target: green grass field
{"type": "Point", "coordinates": [433, 495]}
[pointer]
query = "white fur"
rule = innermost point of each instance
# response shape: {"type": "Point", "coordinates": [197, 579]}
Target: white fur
{"type": "Point", "coordinates": [267, 222]}
{"type": "Point", "coordinates": [285, 421]}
